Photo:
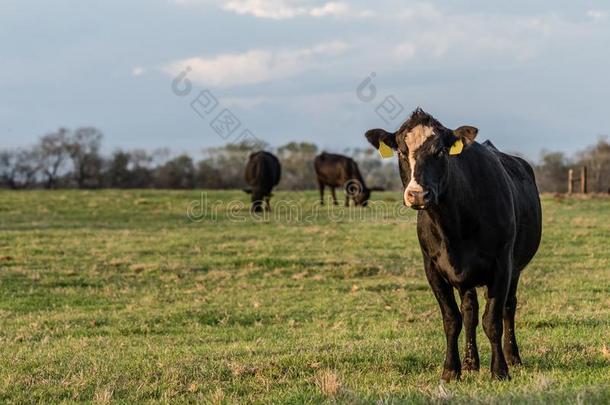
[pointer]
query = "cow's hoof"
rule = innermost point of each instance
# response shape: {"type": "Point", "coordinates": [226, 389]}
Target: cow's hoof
{"type": "Point", "coordinates": [501, 375]}
{"type": "Point", "coordinates": [513, 360]}
{"type": "Point", "coordinates": [450, 375]}
{"type": "Point", "coordinates": [470, 364]}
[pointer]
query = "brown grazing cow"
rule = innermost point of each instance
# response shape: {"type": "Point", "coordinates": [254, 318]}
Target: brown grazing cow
{"type": "Point", "coordinates": [341, 171]}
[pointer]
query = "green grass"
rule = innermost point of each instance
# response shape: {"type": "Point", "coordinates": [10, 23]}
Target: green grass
{"type": "Point", "coordinates": [118, 296]}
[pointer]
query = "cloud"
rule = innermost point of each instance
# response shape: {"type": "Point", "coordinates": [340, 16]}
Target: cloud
{"type": "Point", "coordinates": [282, 9]}
{"type": "Point", "coordinates": [597, 15]}
{"type": "Point", "coordinates": [287, 9]}
{"type": "Point", "coordinates": [273, 9]}
{"type": "Point", "coordinates": [256, 65]}
{"type": "Point", "coordinates": [404, 51]}
{"type": "Point", "coordinates": [245, 103]}
{"type": "Point", "coordinates": [328, 9]}
{"type": "Point", "coordinates": [414, 37]}
{"type": "Point", "coordinates": [417, 12]}
{"type": "Point", "coordinates": [463, 38]}
{"type": "Point", "coordinates": [137, 71]}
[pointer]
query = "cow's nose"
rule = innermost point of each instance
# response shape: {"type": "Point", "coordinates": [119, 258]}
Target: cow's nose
{"type": "Point", "coordinates": [417, 198]}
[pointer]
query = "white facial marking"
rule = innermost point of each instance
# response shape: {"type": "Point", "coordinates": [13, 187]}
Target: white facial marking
{"type": "Point", "coordinates": [414, 140]}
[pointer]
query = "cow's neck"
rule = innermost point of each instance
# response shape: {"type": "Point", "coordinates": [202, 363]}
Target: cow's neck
{"type": "Point", "coordinates": [358, 177]}
{"type": "Point", "coordinates": [456, 205]}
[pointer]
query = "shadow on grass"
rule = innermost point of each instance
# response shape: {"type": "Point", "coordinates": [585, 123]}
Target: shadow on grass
{"type": "Point", "coordinates": [566, 323]}
{"type": "Point", "coordinates": [410, 364]}
{"type": "Point", "coordinates": [548, 363]}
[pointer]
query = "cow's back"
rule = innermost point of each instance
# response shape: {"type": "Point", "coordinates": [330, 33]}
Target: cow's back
{"type": "Point", "coordinates": [335, 170]}
{"type": "Point", "coordinates": [263, 171]}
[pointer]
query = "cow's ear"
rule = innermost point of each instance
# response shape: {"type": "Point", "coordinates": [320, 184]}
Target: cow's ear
{"type": "Point", "coordinates": [376, 136]}
{"type": "Point", "coordinates": [466, 133]}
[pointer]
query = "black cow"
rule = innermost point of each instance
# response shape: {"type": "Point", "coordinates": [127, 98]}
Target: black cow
{"type": "Point", "coordinates": [479, 224]}
{"type": "Point", "coordinates": [341, 171]}
{"type": "Point", "coordinates": [263, 172]}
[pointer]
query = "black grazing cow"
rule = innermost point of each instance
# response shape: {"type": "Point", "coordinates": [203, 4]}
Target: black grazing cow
{"type": "Point", "coordinates": [340, 171]}
{"type": "Point", "coordinates": [263, 172]}
{"type": "Point", "coordinates": [479, 224]}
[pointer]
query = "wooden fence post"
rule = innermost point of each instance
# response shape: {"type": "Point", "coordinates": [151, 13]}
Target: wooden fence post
{"type": "Point", "coordinates": [570, 181]}
{"type": "Point", "coordinates": [583, 180]}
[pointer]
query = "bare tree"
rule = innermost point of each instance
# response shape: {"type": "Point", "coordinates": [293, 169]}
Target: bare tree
{"type": "Point", "coordinates": [178, 173]}
{"type": "Point", "coordinates": [83, 149]}
{"type": "Point", "coordinates": [8, 168]}
{"type": "Point", "coordinates": [118, 174]}
{"type": "Point", "coordinates": [67, 158]}
{"type": "Point", "coordinates": [129, 169]}
{"type": "Point", "coordinates": [141, 169]}
{"type": "Point", "coordinates": [297, 165]}
{"type": "Point", "coordinates": [19, 168]}
{"type": "Point", "coordinates": [376, 171]}
{"type": "Point", "coordinates": [597, 160]}
{"type": "Point", "coordinates": [223, 167]}
{"type": "Point", "coordinates": [552, 172]}
{"type": "Point", "coordinates": [53, 153]}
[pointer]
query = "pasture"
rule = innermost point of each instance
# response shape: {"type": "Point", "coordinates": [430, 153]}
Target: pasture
{"type": "Point", "coordinates": [119, 296]}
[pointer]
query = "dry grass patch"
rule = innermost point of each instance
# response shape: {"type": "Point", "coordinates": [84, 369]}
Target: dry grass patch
{"type": "Point", "coordinates": [328, 383]}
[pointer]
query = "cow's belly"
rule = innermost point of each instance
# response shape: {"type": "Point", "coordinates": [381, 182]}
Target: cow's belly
{"type": "Point", "coordinates": [466, 267]}
{"type": "Point", "coordinates": [470, 255]}
{"type": "Point", "coordinates": [332, 182]}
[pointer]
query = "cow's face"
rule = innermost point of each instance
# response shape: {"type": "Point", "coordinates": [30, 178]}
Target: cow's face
{"type": "Point", "coordinates": [423, 156]}
{"type": "Point", "coordinates": [363, 197]}
{"type": "Point", "coordinates": [256, 198]}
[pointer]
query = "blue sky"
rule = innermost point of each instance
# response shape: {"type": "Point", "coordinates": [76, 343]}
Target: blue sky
{"type": "Point", "coordinates": [529, 75]}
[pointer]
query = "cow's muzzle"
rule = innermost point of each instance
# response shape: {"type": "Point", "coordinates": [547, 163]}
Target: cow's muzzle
{"type": "Point", "coordinates": [417, 199]}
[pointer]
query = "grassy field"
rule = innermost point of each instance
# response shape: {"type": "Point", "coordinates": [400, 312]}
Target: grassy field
{"type": "Point", "coordinates": [133, 296]}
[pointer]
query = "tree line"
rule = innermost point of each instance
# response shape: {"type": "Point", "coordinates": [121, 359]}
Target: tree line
{"type": "Point", "coordinates": [74, 159]}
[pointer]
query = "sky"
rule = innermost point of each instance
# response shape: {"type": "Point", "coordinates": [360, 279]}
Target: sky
{"type": "Point", "coordinates": [192, 74]}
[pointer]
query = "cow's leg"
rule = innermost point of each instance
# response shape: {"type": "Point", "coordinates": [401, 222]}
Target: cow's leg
{"type": "Point", "coordinates": [511, 351]}
{"type": "Point", "coordinates": [332, 190]}
{"type": "Point", "coordinates": [470, 315]}
{"type": "Point", "coordinates": [268, 204]}
{"type": "Point", "coordinates": [347, 200]}
{"type": "Point", "coordinates": [321, 186]}
{"type": "Point", "coordinates": [492, 321]}
{"type": "Point", "coordinates": [257, 206]}
{"type": "Point", "coordinates": [452, 321]}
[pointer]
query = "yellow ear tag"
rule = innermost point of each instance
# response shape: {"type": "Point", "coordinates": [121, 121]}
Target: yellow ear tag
{"type": "Point", "coordinates": [385, 151]}
{"type": "Point", "coordinates": [457, 147]}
